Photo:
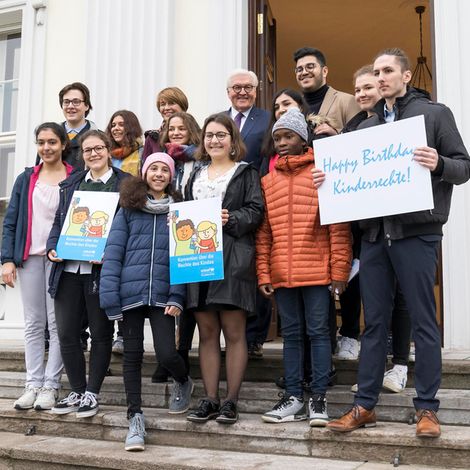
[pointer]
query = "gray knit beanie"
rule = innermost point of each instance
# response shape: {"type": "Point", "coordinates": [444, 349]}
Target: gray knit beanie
{"type": "Point", "coordinates": [293, 120]}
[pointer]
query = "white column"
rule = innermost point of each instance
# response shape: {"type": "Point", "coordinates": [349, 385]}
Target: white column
{"type": "Point", "coordinates": [65, 52]}
{"type": "Point", "coordinates": [128, 56]}
{"type": "Point", "coordinates": [452, 40]}
{"type": "Point", "coordinates": [31, 82]}
{"type": "Point", "coordinates": [210, 39]}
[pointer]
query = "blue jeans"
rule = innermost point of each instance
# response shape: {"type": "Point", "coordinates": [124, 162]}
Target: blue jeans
{"type": "Point", "coordinates": [305, 309]}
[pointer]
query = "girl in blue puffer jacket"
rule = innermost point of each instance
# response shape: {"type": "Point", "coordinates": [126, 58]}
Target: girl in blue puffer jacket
{"type": "Point", "coordinates": [135, 284]}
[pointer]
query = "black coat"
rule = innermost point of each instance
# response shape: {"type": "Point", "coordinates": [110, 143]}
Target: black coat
{"type": "Point", "coordinates": [244, 202]}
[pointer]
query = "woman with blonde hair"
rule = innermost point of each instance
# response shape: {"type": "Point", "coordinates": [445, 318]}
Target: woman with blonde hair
{"type": "Point", "coordinates": [169, 101]}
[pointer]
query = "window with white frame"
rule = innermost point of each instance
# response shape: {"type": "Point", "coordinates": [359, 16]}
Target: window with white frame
{"type": "Point", "coordinates": [10, 47]}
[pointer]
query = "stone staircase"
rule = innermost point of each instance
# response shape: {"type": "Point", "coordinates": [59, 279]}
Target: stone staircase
{"type": "Point", "coordinates": [39, 440]}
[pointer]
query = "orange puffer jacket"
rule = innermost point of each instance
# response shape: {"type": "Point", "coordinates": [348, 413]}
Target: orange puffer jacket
{"type": "Point", "coordinates": [292, 248]}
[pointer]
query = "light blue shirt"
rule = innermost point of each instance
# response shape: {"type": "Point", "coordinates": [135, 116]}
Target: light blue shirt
{"type": "Point", "coordinates": [389, 115]}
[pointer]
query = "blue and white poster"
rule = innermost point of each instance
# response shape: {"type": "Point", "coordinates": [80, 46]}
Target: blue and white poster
{"type": "Point", "coordinates": [196, 250]}
{"type": "Point", "coordinates": [371, 172]}
{"type": "Point", "coordinates": [87, 225]}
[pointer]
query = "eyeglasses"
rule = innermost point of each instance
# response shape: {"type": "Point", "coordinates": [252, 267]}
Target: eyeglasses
{"type": "Point", "coordinates": [218, 135]}
{"type": "Point", "coordinates": [99, 149]}
{"type": "Point", "coordinates": [238, 88]}
{"type": "Point", "coordinates": [308, 68]}
{"type": "Point", "coordinates": [75, 102]}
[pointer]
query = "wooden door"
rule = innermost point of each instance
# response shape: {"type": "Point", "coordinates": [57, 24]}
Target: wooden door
{"type": "Point", "coordinates": [262, 49]}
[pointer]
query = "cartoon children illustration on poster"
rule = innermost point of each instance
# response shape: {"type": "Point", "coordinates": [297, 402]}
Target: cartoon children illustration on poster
{"type": "Point", "coordinates": [183, 233]}
{"type": "Point", "coordinates": [78, 219]}
{"type": "Point", "coordinates": [97, 226]}
{"type": "Point", "coordinates": [207, 241]}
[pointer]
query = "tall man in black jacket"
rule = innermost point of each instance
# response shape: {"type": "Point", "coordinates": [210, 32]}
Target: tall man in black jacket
{"type": "Point", "coordinates": [404, 248]}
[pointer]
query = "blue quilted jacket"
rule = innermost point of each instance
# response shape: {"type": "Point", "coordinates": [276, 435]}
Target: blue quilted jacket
{"type": "Point", "coordinates": [136, 265]}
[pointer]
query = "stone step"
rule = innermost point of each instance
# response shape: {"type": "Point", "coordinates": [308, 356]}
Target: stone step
{"type": "Point", "coordinates": [386, 442]}
{"type": "Point", "coordinates": [455, 373]}
{"type": "Point", "coordinates": [258, 397]}
{"type": "Point", "coordinates": [56, 453]}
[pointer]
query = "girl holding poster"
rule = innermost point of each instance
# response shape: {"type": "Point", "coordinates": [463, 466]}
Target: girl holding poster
{"type": "Point", "coordinates": [29, 216]}
{"type": "Point", "coordinates": [74, 285]}
{"type": "Point", "coordinates": [297, 259]}
{"type": "Point", "coordinates": [224, 305]}
{"type": "Point", "coordinates": [135, 284]}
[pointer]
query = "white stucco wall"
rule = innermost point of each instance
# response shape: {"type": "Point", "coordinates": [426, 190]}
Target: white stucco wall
{"type": "Point", "coordinates": [452, 61]}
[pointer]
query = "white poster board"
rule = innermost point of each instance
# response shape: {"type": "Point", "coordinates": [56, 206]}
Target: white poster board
{"type": "Point", "coordinates": [371, 172]}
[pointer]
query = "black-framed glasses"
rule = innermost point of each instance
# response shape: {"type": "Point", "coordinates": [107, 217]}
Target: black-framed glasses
{"type": "Point", "coordinates": [99, 149]}
{"type": "Point", "coordinates": [310, 67]}
{"type": "Point", "coordinates": [238, 88]}
{"type": "Point", "coordinates": [218, 135]}
{"type": "Point", "coordinates": [75, 102]}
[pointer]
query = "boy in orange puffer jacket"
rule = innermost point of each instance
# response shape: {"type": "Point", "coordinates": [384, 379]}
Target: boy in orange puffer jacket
{"type": "Point", "coordinates": [297, 260]}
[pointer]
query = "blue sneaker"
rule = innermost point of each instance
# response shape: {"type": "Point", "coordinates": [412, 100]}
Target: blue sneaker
{"type": "Point", "coordinates": [180, 397]}
{"type": "Point", "coordinates": [135, 436]}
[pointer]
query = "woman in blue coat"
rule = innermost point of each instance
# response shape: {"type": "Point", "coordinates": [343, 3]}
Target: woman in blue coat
{"type": "Point", "coordinates": [135, 284]}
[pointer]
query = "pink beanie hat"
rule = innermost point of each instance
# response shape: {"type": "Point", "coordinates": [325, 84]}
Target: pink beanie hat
{"type": "Point", "coordinates": [159, 157]}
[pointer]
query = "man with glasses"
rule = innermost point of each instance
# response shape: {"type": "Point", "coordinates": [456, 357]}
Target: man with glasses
{"type": "Point", "coordinates": [311, 72]}
{"type": "Point", "coordinates": [75, 102]}
{"type": "Point", "coordinates": [252, 122]}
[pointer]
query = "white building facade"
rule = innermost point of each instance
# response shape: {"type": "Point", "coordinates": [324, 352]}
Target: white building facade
{"type": "Point", "coordinates": [127, 50]}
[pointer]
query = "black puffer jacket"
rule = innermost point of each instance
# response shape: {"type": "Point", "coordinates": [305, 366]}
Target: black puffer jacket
{"type": "Point", "coordinates": [453, 167]}
{"type": "Point", "coordinates": [244, 202]}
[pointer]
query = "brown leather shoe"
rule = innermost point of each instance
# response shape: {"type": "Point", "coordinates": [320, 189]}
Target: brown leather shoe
{"type": "Point", "coordinates": [356, 417]}
{"type": "Point", "coordinates": [427, 424]}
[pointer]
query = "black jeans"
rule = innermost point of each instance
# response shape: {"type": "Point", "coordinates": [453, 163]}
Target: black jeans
{"type": "Point", "coordinates": [350, 301]}
{"type": "Point", "coordinates": [257, 326]}
{"type": "Point", "coordinates": [163, 332]}
{"type": "Point", "coordinates": [401, 330]}
{"type": "Point", "coordinates": [72, 299]}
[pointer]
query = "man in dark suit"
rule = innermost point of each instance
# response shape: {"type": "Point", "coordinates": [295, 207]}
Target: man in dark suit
{"type": "Point", "coordinates": [252, 122]}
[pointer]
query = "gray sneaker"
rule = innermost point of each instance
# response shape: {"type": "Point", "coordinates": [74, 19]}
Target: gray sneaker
{"type": "Point", "coordinates": [26, 401]}
{"type": "Point", "coordinates": [135, 436]}
{"type": "Point", "coordinates": [285, 410]}
{"type": "Point", "coordinates": [318, 413]}
{"type": "Point", "coordinates": [180, 397]}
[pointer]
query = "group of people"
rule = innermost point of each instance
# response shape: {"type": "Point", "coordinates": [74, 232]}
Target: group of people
{"type": "Point", "coordinates": [262, 167]}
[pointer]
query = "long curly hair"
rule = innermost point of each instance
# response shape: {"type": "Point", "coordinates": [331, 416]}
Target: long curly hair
{"type": "Point", "coordinates": [133, 193]}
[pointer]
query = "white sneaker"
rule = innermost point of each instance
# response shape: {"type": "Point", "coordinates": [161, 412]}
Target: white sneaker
{"type": "Point", "coordinates": [286, 409]}
{"type": "Point", "coordinates": [318, 411]}
{"type": "Point", "coordinates": [118, 345]}
{"type": "Point", "coordinates": [46, 399]}
{"type": "Point", "coordinates": [395, 378]}
{"type": "Point", "coordinates": [348, 349]}
{"type": "Point", "coordinates": [26, 401]}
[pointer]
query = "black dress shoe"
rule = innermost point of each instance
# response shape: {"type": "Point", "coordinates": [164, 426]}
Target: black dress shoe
{"type": "Point", "coordinates": [207, 410]}
{"type": "Point", "coordinates": [228, 413]}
